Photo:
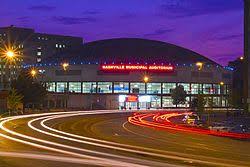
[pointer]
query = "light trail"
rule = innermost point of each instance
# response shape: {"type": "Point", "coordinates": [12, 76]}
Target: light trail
{"type": "Point", "coordinates": [42, 119]}
{"type": "Point", "coordinates": [162, 121]}
{"type": "Point", "coordinates": [146, 151]}
{"type": "Point", "coordinates": [102, 161]}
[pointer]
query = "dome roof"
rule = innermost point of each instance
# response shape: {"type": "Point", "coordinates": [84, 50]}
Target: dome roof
{"type": "Point", "coordinates": [134, 50]}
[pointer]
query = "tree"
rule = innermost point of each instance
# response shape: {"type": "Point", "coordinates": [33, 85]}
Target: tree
{"type": "Point", "coordinates": [33, 92]}
{"type": "Point", "coordinates": [178, 95]}
{"type": "Point", "coordinates": [200, 103]}
{"type": "Point", "coordinates": [14, 100]}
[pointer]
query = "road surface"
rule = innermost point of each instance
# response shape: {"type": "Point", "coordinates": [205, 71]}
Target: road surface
{"type": "Point", "coordinates": [105, 138]}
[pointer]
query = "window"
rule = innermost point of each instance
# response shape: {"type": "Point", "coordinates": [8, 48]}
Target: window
{"type": "Point", "coordinates": [121, 87]}
{"type": "Point", "coordinates": [155, 102]}
{"type": "Point", "coordinates": [137, 88]}
{"type": "Point", "coordinates": [39, 53]}
{"type": "Point", "coordinates": [56, 45]}
{"type": "Point", "coordinates": [167, 87]}
{"type": "Point", "coordinates": [167, 101]}
{"type": "Point", "coordinates": [186, 104]}
{"type": "Point", "coordinates": [196, 88]}
{"type": "Point", "coordinates": [207, 89]}
{"type": "Point", "coordinates": [154, 88]}
{"type": "Point", "coordinates": [216, 101]}
{"type": "Point", "coordinates": [216, 89]}
{"type": "Point", "coordinates": [89, 87]}
{"type": "Point", "coordinates": [104, 87]}
{"type": "Point", "coordinates": [186, 87]}
{"type": "Point", "coordinates": [51, 86]}
{"type": "Point", "coordinates": [61, 87]}
{"type": "Point", "coordinates": [60, 46]}
{"type": "Point", "coordinates": [75, 87]}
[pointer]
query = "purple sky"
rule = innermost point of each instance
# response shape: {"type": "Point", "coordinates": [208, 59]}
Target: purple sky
{"type": "Point", "coordinates": [213, 28]}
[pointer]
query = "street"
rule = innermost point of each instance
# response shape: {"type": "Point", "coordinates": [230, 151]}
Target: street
{"type": "Point", "coordinates": [106, 138]}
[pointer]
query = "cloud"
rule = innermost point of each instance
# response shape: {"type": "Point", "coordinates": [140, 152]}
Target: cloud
{"type": "Point", "coordinates": [189, 8]}
{"type": "Point", "coordinates": [227, 37]}
{"type": "Point", "coordinates": [73, 20]}
{"type": "Point", "coordinates": [160, 31]}
{"type": "Point", "coordinates": [23, 19]}
{"type": "Point", "coordinates": [45, 8]}
{"type": "Point", "coordinates": [128, 16]}
{"type": "Point", "coordinates": [91, 12]}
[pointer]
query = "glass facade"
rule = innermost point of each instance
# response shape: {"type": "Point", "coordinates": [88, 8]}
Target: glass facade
{"type": "Point", "coordinates": [75, 87]}
{"type": "Point", "coordinates": [167, 87]}
{"type": "Point", "coordinates": [167, 101]}
{"type": "Point", "coordinates": [61, 87]}
{"type": "Point", "coordinates": [51, 86]}
{"type": "Point", "coordinates": [137, 88]}
{"type": "Point", "coordinates": [196, 88]}
{"type": "Point", "coordinates": [153, 88]}
{"type": "Point", "coordinates": [207, 89]}
{"type": "Point", "coordinates": [158, 93]}
{"type": "Point", "coordinates": [216, 89]}
{"type": "Point", "coordinates": [104, 87]}
{"type": "Point", "coordinates": [121, 87]}
{"type": "Point", "coordinates": [89, 87]}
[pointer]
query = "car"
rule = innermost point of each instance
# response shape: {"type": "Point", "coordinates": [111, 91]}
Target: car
{"type": "Point", "coordinates": [191, 119]}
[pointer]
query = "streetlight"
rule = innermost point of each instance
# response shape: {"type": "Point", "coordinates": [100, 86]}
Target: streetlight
{"type": "Point", "coordinates": [221, 83]}
{"type": "Point", "coordinates": [33, 73]}
{"type": "Point", "coordinates": [241, 58]}
{"type": "Point", "coordinates": [10, 54]}
{"type": "Point", "coordinates": [199, 65]}
{"type": "Point", "coordinates": [146, 79]}
{"type": "Point", "coordinates": [65, 66]}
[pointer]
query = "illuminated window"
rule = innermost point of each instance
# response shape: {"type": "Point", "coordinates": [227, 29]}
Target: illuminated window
{"type": "Point", "coordinates": [216, 101]}
{"type": "Point", "coordinates": [61, 87]}
{"type": "Point", "coordinates": [167, 87]}
{"type": "Point", "coordinates": [89, 87]}
{"type": "Point", "coordinates": [167, 101]}
{"type": "Point", "coordinates": [104, 87]}
{"type": "Point", "coordinates": [137, 88]}
{"type": "Point", "coordinates": [121, 87]}
{"type": "Point", "coordinates": [51, 86]}
{"type": "Point", "coordinates": [216, 89]}
{"type": "Point", "coordinates": [39, 53]}
{"type": "Point", "coordinates": [186, 87]}
{"type": "Point", "coordinates": [75, 87]}
{"type": "Point", "coordinates": [186, 104]}
{"type": "Point", "coordinates": [56, 45]}
{"type": "Point", "coordinates": [153, 88]}
{"type": "Point", "coordinates": [207, 89]}
{"type": "Point", "coordinates": [155, 102]}
{"type": "Point", "coordinates": [60, 46]}
{"type": "Point", "coordinates": [196, 88]}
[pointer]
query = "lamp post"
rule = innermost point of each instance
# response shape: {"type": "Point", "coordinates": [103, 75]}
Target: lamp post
{"type": "Point", "coordinates": [10, 56]}
{"type": "Point", "coordinates": [65, 67]}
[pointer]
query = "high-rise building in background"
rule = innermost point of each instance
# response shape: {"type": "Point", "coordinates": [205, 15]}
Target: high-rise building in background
{"type": "Point", "coordinates": [246, 54]}
{"type": "Point", "coordinates": [34, 47]}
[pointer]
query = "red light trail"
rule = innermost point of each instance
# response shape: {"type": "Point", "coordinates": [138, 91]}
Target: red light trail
{"type": "Point", "coordinates": [163, 121]}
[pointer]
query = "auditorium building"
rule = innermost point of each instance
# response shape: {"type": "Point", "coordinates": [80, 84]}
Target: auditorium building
{"type": "Point", "coordinates": [130, 73]}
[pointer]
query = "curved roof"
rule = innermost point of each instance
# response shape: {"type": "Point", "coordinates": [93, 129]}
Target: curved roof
{"type": "Point", "coordinates": [134, 50]}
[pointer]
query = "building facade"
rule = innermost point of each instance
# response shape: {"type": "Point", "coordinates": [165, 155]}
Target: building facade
{"type": "Point", "coordinates": [89, 85]}
{"type": "Point", "coordinates": [246, 55]}
{"type": "Point", "coordinates": [30, 47]}
{"type": "Point", "coordinates": [34, 47]}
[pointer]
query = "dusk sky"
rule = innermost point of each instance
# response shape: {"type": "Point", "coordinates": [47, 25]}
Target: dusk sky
{"type": "Point", "coordinates": [213, 28]}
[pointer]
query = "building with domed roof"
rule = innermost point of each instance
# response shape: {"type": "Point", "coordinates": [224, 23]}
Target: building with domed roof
{"type": "Point", "coordinates": [121, 73]}
{"type": "Point", "coordinates": [129, 73]}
